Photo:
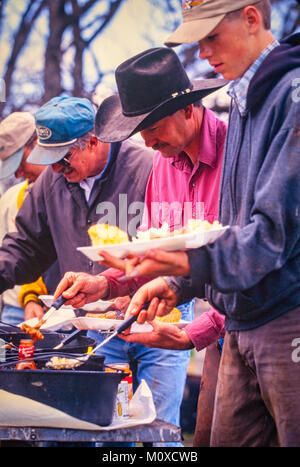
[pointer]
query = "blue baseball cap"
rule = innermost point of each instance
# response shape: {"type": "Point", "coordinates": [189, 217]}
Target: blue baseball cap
{"type": "Point", "coordinates": [59, 123]}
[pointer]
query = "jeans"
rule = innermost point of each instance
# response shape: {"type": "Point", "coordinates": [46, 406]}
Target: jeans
{"type": "Point", "coordinates": [257, 396]}
{"type": "Point", "coordinates": [163, 370]}
{"type": "Point", "coordinates": [12, 314]}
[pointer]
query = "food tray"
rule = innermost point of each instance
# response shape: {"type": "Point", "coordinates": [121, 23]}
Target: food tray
{"type": "Point", "coordinates": [80, 344]}
{"type": "Point", "coordinates": [87, 395]}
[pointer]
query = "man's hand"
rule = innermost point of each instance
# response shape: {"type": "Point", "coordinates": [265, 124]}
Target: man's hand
{"type": "Point", "coordinates": [80, 288]}
{"type": "Point", "coordinates": [155, 263]}
{"type": "Point", "coordinates": [162, 299]}
{"type": "Point", "coordinates": [33, 310]}
{"type": "Point", "coordinates": [163, 336]}
{"type": "Point", "coordinates": [121, 304]}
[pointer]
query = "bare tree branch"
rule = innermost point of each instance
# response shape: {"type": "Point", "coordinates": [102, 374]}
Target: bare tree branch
{"type": "Point", "coordinates": [107, 18]}
{"type": "Point", "coordinates": [20, 40]}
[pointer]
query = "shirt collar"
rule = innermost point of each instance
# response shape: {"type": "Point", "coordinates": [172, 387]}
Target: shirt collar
{"type": "Point", "coordinates": [87, 183]}
{"type": "Point", "coordinates": [238, 89]}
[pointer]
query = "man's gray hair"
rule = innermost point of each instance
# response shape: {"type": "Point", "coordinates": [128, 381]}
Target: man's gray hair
{"type": "Point", "coordinates": [198, 103]}
{"type": "Point", "coordinates": [82, 141]}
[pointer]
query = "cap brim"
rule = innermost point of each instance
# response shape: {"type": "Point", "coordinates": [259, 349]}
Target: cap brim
{"type": "Point", "coordinates": [113, 126]}
{"type": "Point", "coordinates": [41, 155]}
{"type": "Point", "coordinates": [11, 164]}
{"type": "Point", "coordinates": [193, 31]}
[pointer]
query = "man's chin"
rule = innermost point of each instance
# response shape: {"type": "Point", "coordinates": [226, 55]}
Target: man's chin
{"type": "Point", "coordinates": [71, 177]}
{"type": "Point", "coordinates": [167, 153]}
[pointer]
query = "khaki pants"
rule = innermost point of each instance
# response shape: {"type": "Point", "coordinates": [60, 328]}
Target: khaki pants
{"type": "Point", "coordinates": [257, 397]}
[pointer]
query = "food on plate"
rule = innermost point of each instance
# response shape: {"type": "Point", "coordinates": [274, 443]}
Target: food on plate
{"type": "Point", "coordinates": [164, 231]}
{"type": "Point", "coordinates": [34, 332]}
{"type": "Point", "coordinates": [104, 234]}
{"type": "Point", "coordinates": [113, 314]}
{"type": "Point", "coordinates": [173, 317]}
{"type": "Point", "coordinates": [195, 224]}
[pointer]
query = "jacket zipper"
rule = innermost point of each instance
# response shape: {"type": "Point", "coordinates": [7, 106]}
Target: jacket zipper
{"type": "Point", "coordinates": [233, 170]}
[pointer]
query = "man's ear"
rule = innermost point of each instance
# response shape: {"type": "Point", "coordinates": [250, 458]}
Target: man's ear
{"type": "Point", "coordinates": [188, 110]}
{"type": "Point", "coordinates": [93, 142]}
{"type": "Point", "coordinates": [253, 18]}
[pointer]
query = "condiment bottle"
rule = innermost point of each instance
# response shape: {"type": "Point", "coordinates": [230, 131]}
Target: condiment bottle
{"type": "Point", "coordinates": [26, 351]}
{"type": "Point", "coordinates": [124, 367]}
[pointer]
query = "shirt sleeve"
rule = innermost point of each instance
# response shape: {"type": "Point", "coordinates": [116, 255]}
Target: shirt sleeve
{"type": "Point", "coordinates": [119, 288]}
{"type": "Point", "coordinates": [27, 253]}
{"type": "Point", "coordinates": [206, 329]}
{"type": "Point", "coordinates": [31, 292]}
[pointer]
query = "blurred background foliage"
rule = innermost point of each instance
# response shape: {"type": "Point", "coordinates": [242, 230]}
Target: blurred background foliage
{"type": "Point", "coordinates": [72, 47]}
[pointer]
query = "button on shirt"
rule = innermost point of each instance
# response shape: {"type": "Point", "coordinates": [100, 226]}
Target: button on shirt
{"type": "Point", "coordinates": [178, 190]}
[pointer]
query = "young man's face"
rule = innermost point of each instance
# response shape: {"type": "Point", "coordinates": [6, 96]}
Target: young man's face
{"type": "Point", "coordinates": [229, 48]}
{"type": "Point", "coordinates": [169, 135]}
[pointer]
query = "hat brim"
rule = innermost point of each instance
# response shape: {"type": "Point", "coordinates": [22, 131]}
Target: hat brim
{"type": "Point", "coordinates": [11, 164]}
{"type": "Point", "coordinates": [193, 31]}
{"type": "Point", "coordinates": [113, 126]}
{"type": "Point", "coordinates": [41, 155]}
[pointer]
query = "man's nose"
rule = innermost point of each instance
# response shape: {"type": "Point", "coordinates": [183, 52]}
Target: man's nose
{"type": "Point", "coordinates": [204, 51]}
{"type": "Point", "coordinates": [150, 141]}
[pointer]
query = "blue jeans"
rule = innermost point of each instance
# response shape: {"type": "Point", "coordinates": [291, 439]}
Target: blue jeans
{"type": "Point", "coordinates": [163, 370]}
{"type": "Point", "coordinates": [12, 314]}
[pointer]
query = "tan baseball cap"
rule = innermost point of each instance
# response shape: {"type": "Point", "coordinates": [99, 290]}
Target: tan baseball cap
{"type": "Point", "coordinates": [201, 17]}
{"type": "Point", "coordinates": [15, 131]}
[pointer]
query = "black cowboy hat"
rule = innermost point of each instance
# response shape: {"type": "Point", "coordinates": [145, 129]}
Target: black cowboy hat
{"type": "Point", "coordinates": [151, 86]}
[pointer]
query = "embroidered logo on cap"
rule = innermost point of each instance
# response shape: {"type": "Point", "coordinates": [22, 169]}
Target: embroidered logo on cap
{"type": "Point", "coordinates": [189, 4]}
{"type": "Point", "coordinates": [43, 132]}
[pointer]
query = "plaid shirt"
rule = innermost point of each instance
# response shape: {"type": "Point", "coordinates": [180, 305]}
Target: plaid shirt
{"type": "Point", "coordinates": [238, 89]}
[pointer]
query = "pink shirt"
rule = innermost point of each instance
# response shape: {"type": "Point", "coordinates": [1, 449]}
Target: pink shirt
{"type": "Point", "coordinates": [177, 191]}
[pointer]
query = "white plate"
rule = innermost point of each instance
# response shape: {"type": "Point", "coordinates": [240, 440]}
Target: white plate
{"type": "Point", "coordinates": [194, 239]}
{"type": "Point", "coordinates": [100, 305]}
{"type": "Point", "coordinates": [103, 324]}
{"type": "Point", "coordinates": [61, 319]}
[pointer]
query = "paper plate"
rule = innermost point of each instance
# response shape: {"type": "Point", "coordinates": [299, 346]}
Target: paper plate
{"type": "Point", "coordinates": [60, 320]}
{"type": "Point", "coordinates": [100, 305]}
{"type": "Point", "coordinates": [103, 324]}
{"type": "Point", "coordinates": [194, 239]}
